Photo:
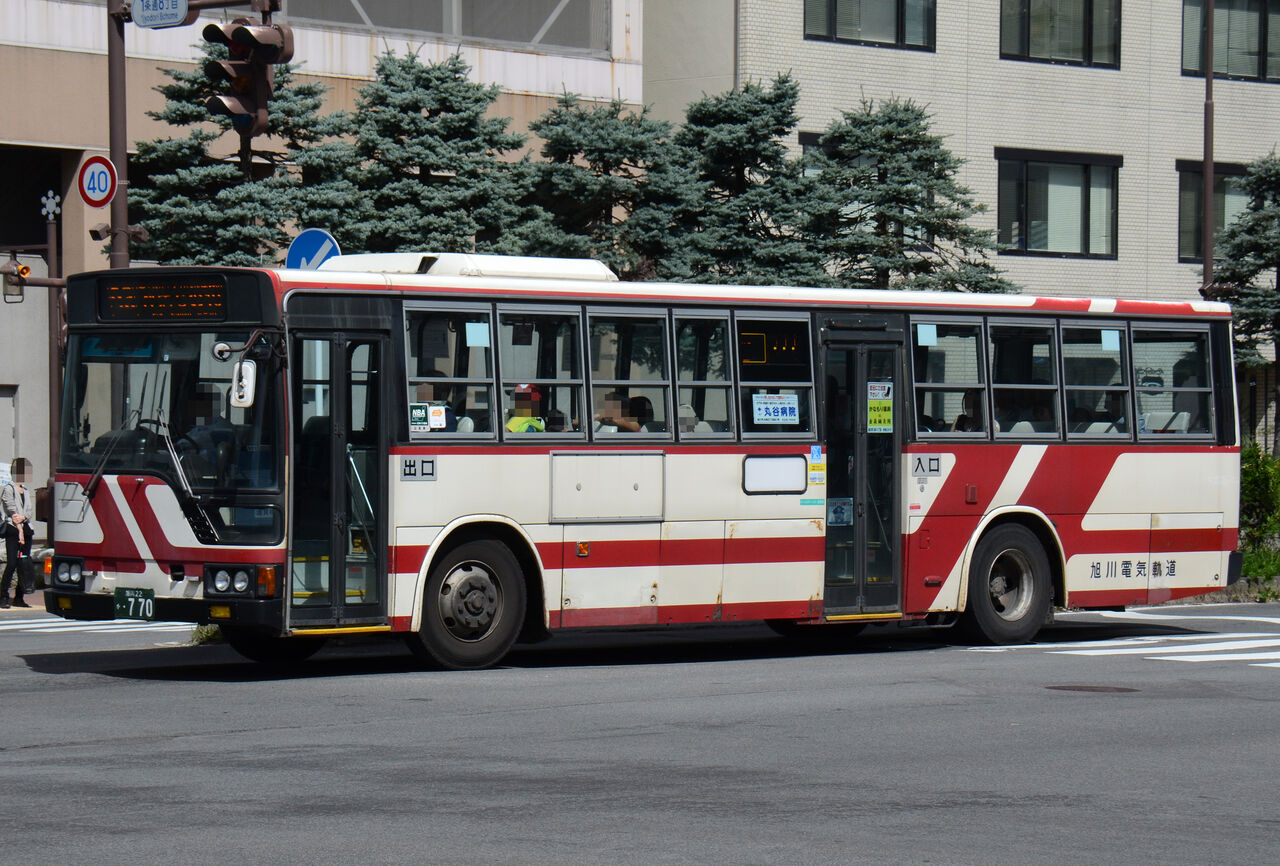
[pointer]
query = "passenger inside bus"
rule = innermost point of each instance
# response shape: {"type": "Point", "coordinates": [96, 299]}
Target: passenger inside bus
{"type": "Point", "coordinates": [611, 417]}
{"type": "Point", "coordinates": [425, 392]}
{"type": "Point", "coordinates": [524, 417]}
{"type": "Point", "coordinates": [970, 418]}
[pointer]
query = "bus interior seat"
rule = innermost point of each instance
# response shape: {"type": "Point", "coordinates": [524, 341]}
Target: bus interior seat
{"type": "Point", "coordinates": [1167, 422]}
{"type": "Point", "coordinates": [703, 427]}
{"type": "Point", "coordinates": [1021, 428]}
{"type": "Point", "coordinates": [466, 424]}
{"type": "Point", "coordinates": [1101, 427]}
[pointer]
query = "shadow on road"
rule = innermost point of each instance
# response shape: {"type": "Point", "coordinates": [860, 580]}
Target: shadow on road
{"type": "Point", "coordinates": [688, 645]}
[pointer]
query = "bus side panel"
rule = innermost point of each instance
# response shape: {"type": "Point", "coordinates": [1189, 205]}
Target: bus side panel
{"type": "Point", "coordinates": [1095, 498]}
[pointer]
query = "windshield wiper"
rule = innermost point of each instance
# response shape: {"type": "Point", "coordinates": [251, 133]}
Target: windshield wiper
{"type": "Point", "coordinates": [189, 500]}
{"type": "Point", "coordinates": [96, 478]}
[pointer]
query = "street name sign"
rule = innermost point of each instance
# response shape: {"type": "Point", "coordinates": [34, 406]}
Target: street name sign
{"type": "Point", "coordinates": [155, 14]}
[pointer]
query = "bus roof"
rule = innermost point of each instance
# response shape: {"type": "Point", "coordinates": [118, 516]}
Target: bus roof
{"type": "Point", "coordinates": [584, 280]}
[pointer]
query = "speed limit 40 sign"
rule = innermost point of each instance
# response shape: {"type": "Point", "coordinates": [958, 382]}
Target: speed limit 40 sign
{"type": "Point", "coordinates": [97, 181]}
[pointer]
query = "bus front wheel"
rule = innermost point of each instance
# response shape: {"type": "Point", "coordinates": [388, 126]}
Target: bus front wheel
{"type": "Point", "coordinates": [1009, 594]}
{"type": "Point", "coordinates": [473, 607]}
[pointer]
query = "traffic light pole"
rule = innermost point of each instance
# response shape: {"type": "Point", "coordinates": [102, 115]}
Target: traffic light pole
{"type": "Point", "coordinates": [117, 14]}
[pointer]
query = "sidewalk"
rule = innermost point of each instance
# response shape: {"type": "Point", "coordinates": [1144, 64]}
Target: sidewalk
{"type": "Point", "coordinates": [35, 599]}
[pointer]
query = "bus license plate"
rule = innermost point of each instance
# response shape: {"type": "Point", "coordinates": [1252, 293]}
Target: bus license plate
{"type": "Point", "coordinates": [133, 603]}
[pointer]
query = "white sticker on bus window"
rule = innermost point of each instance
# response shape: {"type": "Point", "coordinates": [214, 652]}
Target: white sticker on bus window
{"type": "Point", "coordinates": [775, 408]}
{"type": "Point", "coordinates": [419, 418]}
{"type": "Point", "coordinates": [478, 335]}
{"type": "Point", "coordinates": [438, 418]}
{"type": "Point", "coordinates": [926, 335]}
{"type": "Point", "coordinates": [1111, 341]}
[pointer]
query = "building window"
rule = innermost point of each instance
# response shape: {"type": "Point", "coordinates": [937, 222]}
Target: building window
{"type": "Point", "coordinates": [898, 23]}
{"type": "Point", "coordinates": [1229, 201]}
{"type": "Point", "coordinates": [1057, 203]}
{"type": "Point", "coordinates": [1246, 39]}
{"type": "Point", "coordinates": [1086, 32]}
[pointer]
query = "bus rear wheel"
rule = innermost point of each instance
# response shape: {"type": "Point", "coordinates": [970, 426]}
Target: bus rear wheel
{"type": "Point", "coordinates": [473, 607]}
{"type": "Point", "coordinates": [1009, 592]}
{"type": "Point", "coordinates": [271, 649]}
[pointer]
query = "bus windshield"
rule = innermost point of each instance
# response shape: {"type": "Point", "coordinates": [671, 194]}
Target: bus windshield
{"type": "Point", "coordinates": [159, 403]}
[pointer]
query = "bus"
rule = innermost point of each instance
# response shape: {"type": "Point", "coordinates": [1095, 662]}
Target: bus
{"type": "Point", "coordinates": [463, 451]}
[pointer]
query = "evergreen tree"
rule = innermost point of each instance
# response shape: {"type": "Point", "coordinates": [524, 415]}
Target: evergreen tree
{"type": "Point", "coordinates": [752, 225]}
{"type": "Point", "coordinates": [1246, 271]}
{"type": "Point", "coordinates": [196, 204]}
{"type": "Point", "coordinates": [430, 172]}
{"type": "Point", "coordinates": [893, 213]}
{"type": "Point", "coordinates": [598, 161]}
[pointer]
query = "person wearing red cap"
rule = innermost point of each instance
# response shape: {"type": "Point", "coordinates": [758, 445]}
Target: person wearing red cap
{"type": "Point", "coordinates": [525, 417]}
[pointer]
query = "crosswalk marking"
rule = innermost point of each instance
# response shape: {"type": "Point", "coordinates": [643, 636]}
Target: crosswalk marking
{"type": "Point", "coordinates": [1258, 649]}
{"type": "Point", "coordinates": [52, 624]}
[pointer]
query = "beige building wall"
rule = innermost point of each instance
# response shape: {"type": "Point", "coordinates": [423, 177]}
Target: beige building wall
{"type": "Point", "coordinates": [1146, 112]}
{"type": "Point", "coordinates": [690, 50]}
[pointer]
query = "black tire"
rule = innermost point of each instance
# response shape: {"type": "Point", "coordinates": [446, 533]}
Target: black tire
{"type": "Point", "coordinates": [472, 608]}
{"type": "Point", "coordinates": [1009, 592]}
{"type": "Point", "coordinates": [793, 630]}
{"type": "Point", "coordinates": [270, 649]}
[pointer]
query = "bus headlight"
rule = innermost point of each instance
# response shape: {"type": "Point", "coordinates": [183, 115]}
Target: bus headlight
{"type": "Point", "coordinates": [240, 581]}
{"type": "Point", "coordinates": [68, 573]}
{"type": "Point", "coordinates": [221, 580]}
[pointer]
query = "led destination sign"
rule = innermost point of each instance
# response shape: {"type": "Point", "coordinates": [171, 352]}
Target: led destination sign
{"type": "Point", "coordinates": [168, 299]}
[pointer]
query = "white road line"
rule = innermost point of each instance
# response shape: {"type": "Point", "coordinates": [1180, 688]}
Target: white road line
{"type": "Point", "coordinates": [1197, 648]}
{"type": "Point", "coordinates": [1220, 657]}
{"type": "Point", "coordinates": [1147, 614]}
{"type": "Point", "coordinates": [1144, 640]}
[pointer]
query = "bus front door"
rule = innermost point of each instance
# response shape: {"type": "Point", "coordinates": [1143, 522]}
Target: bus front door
{"type": "Point", "coordinates": [338, 573]}
{"type": "Point", "coordinates": [863, 422]}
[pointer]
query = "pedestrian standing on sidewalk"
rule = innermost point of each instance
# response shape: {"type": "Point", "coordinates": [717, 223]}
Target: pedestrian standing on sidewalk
{"type": "Point", "coordinates": [17, 505]}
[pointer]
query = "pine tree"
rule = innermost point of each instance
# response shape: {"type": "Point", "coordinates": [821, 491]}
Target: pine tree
{"type": "Point", "coordinates": [1246, 271]}
{"type": "Point", "coordinates": [598, 161]}
{"type": "Point", "coordinates": [430, 172]}
{"type": "Point", "coordinates": [196, 204]}
{"type": "Point", "coordinates": [753, 223]}
{"type": "Point", "coordinates": [893, 213]}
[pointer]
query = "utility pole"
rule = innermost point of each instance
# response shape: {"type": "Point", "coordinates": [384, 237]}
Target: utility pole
{"type": "Point", "coordinates": [1208, 217]}
{"type": "Point", "coordinates": [117, 15]}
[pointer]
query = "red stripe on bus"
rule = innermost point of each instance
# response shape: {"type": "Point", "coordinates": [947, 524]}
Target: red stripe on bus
{"type": "Point", "coordinates": [646, 553]}
{"type": "Point", "coordinates": [688, 614]}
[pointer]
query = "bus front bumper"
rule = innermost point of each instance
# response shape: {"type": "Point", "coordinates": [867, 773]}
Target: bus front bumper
{"type": "Point", "coordinates": [259, 612]}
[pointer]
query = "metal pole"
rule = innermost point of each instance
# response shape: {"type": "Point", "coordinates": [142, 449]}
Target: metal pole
{"type": "Point", "coordinates": [1208, 219]}
{"type": "Point", "coordinates": [55, 368]}
{"type": "Point", "coordinates": [119, 153]}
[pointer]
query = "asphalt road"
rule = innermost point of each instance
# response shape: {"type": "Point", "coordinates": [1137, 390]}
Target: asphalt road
{"type": "Point", "coordinates": [1147, 737]}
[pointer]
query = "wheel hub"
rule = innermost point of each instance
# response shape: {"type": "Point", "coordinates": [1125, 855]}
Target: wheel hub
{"type": "Point", "coordinates": [469, 601]}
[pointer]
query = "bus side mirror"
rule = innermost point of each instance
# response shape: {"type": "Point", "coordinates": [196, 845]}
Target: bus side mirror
{"type": "Point", "coordinates": [244, 380]}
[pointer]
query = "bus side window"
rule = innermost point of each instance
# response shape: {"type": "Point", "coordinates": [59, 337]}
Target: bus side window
{"type": "Point", "coordinates": [947, 367]}
{"type": "Point", "coordinates": [450, 371]}
{"type": "Point", "coordinates": [542, 376]}
{"type": "Point", "coordinates": [776, 375]}
{"type": "Point", "coordinates": [704, 393]}
{"type": "Point", "coordinates": [629, 374]}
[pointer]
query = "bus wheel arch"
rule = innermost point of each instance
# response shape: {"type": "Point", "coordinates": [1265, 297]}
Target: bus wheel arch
{"type": "Point", "coordinates": [1014, 576]}
{"type": "Point", "coordinates": [502, 552]}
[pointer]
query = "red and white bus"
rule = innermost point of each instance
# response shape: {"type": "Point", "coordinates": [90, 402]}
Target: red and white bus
{"type": "Point", "coordinates": [466, 450]}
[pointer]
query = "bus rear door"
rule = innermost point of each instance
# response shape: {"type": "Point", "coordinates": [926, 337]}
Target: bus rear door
{"type": "Point", "coordinates": [862, 362]}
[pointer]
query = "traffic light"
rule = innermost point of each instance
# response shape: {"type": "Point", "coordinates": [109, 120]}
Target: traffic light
{"type": "Point", "coordinates": [248, 75]}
